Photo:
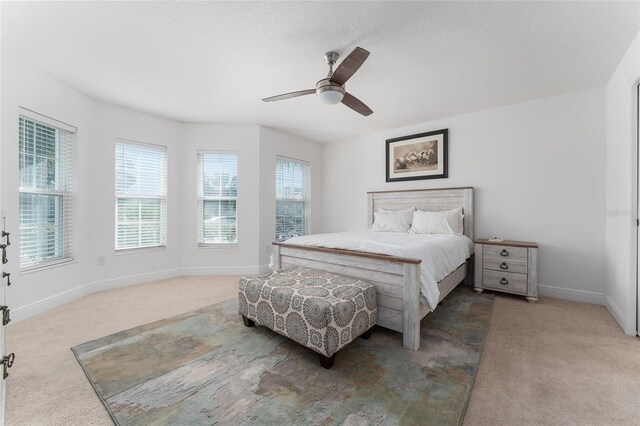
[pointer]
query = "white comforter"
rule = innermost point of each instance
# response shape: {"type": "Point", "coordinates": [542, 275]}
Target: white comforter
{"type": "Point", "coordinates": [440, 254]}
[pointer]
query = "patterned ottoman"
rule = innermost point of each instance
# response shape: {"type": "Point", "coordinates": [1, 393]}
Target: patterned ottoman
{"type": "Point", "coordinates": [318, 309]}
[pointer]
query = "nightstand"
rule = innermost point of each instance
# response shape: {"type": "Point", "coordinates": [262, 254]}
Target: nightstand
{"type": "Point", "coordinates": [508, 266]}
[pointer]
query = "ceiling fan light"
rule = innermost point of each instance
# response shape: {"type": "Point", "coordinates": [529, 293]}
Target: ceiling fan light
{"type": "Point", "coordinates": [331, 97]}
{"type": "Point", "coordinates": [328, 92]}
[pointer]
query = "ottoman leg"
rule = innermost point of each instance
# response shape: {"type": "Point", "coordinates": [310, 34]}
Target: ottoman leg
{"type": "Point", "coordinates": [247, 321]}
{"type": "Point", "coordinates": [366, 334]}
{"type": "Point", "coordinates": [327, 362]}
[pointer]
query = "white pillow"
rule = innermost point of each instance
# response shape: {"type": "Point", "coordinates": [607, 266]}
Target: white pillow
{"type": "Point", "coordinates": [392, 220]}
{"type": "Point", "coordinates": [445, 222]}
{"type": "Point", "coordinates": [408, 213]}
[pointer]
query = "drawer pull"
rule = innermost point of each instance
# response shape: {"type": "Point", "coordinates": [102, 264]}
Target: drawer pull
{"type": "Point", "coordinates": [504, 266]}
{"type": "Point", "coordinates": [504, 252]}
{"type": "Point", "coordinates": [504, 281]}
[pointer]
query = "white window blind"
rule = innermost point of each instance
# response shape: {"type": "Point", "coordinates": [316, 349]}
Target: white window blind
{"type": "Point", "coordinates": [45, 193]}
{"type": "Point", "coordinates": [141, 195]}
{"type": "Point", "coordinates": [217, 197]}
{"type": "Point", "coordinates": [293, 198]}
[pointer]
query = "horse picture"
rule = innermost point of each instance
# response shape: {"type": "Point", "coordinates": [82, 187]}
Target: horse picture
{"type": "Point", "coordinates": [421, 156]}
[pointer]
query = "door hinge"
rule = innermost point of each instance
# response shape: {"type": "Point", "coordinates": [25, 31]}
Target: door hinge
{"type": "Point", "coordinates": [7, 363]}
{"type": "Point", "coordinates": [7, 275]}
{"type": "Point", "coordinates": [6, 317]}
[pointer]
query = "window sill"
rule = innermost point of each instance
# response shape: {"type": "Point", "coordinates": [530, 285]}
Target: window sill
{"type": "Point", "coordinates": [48, 265]}
{"type": "Point", "coordinates": [217, 245]}
{"type": "Point", "coordinates": [140, 250]}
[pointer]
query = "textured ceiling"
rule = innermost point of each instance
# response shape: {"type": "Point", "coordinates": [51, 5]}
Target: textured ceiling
{"type": "Point", "coordinates": [213, 62]}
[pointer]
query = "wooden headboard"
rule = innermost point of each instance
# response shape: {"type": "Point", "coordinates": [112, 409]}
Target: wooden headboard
{"type": "Point", "coordinates": [424, 199]}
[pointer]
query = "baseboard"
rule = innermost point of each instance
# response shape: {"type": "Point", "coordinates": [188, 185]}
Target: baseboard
{"type": "Point", "coordinates": [582, 296]}
{"type": "Point", "coordinates": [615, 312]}
{"type": "Point", "coordinates": [26, 311]}
{"type": "Point", "coordinates": [224, 270]}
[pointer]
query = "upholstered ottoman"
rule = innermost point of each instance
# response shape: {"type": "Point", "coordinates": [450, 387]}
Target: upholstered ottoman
{"type": "Point", "coordinates": [318, 309]}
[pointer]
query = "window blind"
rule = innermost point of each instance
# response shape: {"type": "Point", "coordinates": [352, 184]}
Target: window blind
{"type": "Point", "coordinates": [141, 195]}
{"type": "Point", "coordinates": [45, 193]}
{"type": "Point", "coordinates": [217, 197]}
{"type": "Point", "coordinates": [293, 198]}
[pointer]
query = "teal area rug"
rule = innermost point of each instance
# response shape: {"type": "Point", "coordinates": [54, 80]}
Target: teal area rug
{"type": "Point", "coordinates": [206, 368]}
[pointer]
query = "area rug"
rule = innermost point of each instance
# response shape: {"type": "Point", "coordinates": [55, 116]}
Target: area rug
{"type": "Point", "coordinates": [206, 368]}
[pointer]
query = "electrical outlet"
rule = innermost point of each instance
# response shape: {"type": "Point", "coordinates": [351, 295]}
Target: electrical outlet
{"type": "Point", "coordinates": [102, 261]}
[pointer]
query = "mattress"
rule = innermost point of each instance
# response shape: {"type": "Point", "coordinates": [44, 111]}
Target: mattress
{"type": "Point", "coordinates": [440, 254]}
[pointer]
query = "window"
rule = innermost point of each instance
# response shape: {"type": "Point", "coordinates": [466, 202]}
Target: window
{"type": "Point", "coordinates": [141, 196]}
{"type": "Point", "coordinates": [293, 196]}
{"type": "Point", "coordinates": [217, 198]}
{"type": "Point", "coordinates": [45, 192]}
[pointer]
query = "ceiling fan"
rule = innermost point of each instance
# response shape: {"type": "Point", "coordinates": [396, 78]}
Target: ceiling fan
{"type": "Point", "coordinates": [330, 90]}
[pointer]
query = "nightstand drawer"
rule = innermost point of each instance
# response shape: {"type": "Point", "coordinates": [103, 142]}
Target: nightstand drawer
{"type": "Point", "coordinates": [505, 281]}
{"type": "Point", "coordinates": [506, 264]}
{"type": "Point", "coordinates": [504, 252]}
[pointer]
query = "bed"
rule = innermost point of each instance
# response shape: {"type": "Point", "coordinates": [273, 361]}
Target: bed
{"type": "Point", "coordinates": [397, 279]}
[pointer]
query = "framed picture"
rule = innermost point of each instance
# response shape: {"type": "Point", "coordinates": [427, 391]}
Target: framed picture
{"type": "Point", "coordinates": [421, 156]}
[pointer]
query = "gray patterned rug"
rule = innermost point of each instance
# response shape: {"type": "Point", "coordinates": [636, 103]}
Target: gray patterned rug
{"type": "Point", "coordinates": [206, 368]}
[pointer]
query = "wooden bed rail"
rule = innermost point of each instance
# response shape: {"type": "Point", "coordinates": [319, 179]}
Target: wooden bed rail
{"type": "Point", "coordinates": [379, 256]}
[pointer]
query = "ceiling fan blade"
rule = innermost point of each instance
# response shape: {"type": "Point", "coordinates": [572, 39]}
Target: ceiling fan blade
{"type": "Point", "coordinates": [349, 66]}
{"type": "Point", "coordinates": [356, 104]}
{"type": "Point", "coordinates": [290, 95]}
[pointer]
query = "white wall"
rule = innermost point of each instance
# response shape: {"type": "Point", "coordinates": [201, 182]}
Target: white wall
{"type": "Point", "coordinates": [243, 257]}
{"type": "Point", "coordinates": [22, 86]}
{"type": "Point", "coordinates": [257, 147]}
{"type": "Point", "coordinates": [621, 181]}
{"type": "Point", "coordinates": [272, 144]}
{"type": "Point", "coordinates": [98, 126]}
{"type": "Point", "coordinates": [111, 123]}
{"type": "Point", "coordinates": [538, 169]}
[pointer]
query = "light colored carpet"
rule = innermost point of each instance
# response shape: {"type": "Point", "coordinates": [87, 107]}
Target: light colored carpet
{"type": "Point", "coordinates": [48, 387]}
{"type": "Point", "coordinates": [554, 362]}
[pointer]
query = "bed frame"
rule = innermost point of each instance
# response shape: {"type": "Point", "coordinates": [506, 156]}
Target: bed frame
{"type": "Point", "coordinates": [397, 279]}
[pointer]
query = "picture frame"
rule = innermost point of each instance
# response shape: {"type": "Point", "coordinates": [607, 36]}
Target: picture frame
{"type": "Point", "coordinates": [419, 156]}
